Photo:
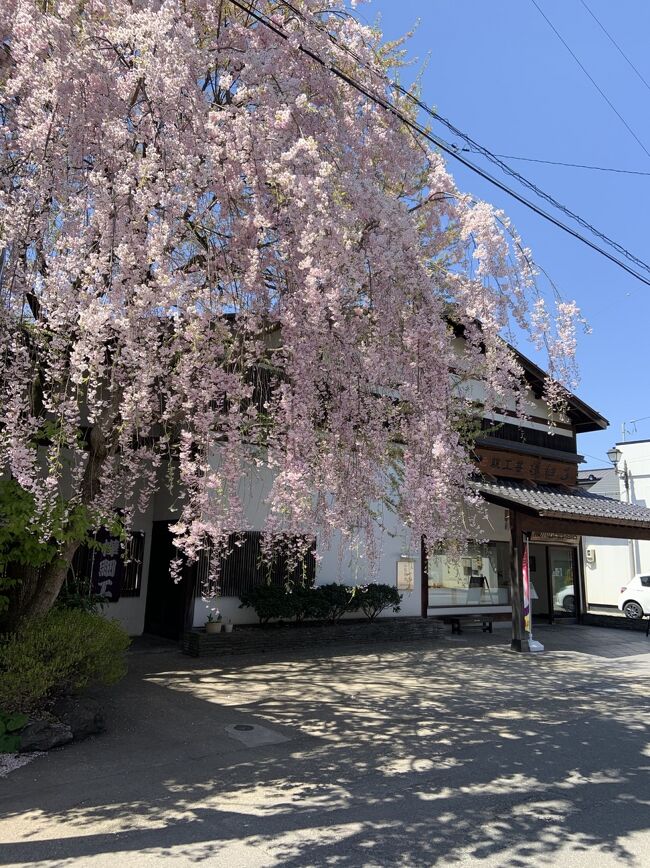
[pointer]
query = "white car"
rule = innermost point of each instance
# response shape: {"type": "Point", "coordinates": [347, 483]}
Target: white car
{"type": "Point", "coordinates": [565, 599]}
{"type": "Point", "coordinates": [634, 598]}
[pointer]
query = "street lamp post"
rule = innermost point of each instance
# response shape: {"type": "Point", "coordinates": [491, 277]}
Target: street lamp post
{"type": "Point", "coordinates": [614, 454]}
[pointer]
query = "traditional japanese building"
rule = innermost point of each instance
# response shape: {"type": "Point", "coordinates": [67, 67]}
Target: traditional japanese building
{"type": "Point", "coordinates": [529, 556]}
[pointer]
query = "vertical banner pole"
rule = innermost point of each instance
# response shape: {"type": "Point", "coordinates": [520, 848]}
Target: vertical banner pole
{"type": "Point", "coordinates": [525, 575]}
{"type": "Point", "coordinates": [526, 598]}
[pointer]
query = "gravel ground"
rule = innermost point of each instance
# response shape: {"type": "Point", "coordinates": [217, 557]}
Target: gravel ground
{"type": "Point", "coordinates": [9, 762]}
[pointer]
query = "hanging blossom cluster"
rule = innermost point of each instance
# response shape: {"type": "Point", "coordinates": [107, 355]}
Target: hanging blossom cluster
{"type": "Point", "coordinates": [219, 258]}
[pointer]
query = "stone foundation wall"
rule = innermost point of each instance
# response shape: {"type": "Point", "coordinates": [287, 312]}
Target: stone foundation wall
{"type": "Point", "coordinates": [259, 640]}
{"type": "Point", "coordinates": [614, 621]}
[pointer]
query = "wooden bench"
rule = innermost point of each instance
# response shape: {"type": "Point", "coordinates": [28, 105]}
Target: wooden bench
{"type": "Point", "coordinates": [483, 621]}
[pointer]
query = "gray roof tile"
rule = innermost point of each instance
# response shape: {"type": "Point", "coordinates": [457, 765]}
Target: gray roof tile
{"type": "Point", "coordinates": [557, 501]}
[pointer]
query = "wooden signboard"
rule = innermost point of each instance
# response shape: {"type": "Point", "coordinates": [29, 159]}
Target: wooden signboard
{"type": "Point", "coordinates": [496, 462]}
{"type": "Point", "coordinates": [550, 538]}
{"type": "Point", "coordinates": [107, 569]}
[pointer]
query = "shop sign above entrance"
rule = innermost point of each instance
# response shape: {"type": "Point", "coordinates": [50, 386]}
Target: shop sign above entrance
{"type": "Point", "coordinates": [557, 538]}
{"type": "Point", "coordinates": [514, 465]}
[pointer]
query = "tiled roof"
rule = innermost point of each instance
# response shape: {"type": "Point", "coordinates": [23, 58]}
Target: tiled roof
{"type": "Point", "coordinates": [559, 502]}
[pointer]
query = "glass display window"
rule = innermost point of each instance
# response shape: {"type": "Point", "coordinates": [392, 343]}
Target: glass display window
{"type": "Point", "coordinates": [478, 577]}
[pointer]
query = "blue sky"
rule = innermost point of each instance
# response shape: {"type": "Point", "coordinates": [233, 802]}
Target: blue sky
{"type": "Point", "coordinates": [499, 73]}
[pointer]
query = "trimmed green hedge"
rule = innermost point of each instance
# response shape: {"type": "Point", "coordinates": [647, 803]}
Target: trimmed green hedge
{"type": "Point", "coordinates": [63, 651]}
{"type": "Point", "coordinates": [269, 602]}
{"type": "Point", "coordinates": [375, 599]}
{"type": "Point", "coordinates": [321, 603]}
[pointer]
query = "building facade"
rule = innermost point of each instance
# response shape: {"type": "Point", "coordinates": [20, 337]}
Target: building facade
{"type": "Point", "coordinates": [530, 554]}
{"type": "Point", "coordinates": [610, 564]}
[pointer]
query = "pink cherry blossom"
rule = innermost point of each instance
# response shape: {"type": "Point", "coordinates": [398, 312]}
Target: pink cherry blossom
{"type": "Point", "coordinates": [217, 256]}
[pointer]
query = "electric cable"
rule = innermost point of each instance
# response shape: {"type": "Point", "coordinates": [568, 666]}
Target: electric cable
{"type": "Point", "coordinates": [480, 149]}
{"type": "Point", "coordinates": [590, 77]}
{"type": "Point", "coordinates": [443, 145]}
{"type": "Point", "coordinates": [615, 44]}
{"type": "Point", "coordinates": [569, 165]}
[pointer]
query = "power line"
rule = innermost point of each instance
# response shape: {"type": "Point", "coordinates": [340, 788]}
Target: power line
{"type": "Point", "coordinates": [537, 190]}
{"type": "Point", "coordinates": [596, 458]}
{"type": "Point", "coordinates": [443, 145]}
{"type": "Point", "coordinates": [615, 44]}
{"type": "Point", "coordinates": [494, 158]}
{"type": "Point", "coordinates": [591, 79]}
{"type": "Point", "coordinates": [569, 165]}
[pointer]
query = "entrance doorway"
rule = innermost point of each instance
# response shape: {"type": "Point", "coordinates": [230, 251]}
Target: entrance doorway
{"type": "Point", "coordinates": [563, 575]}
{"type": "Point", "coordinates": [554, 581]}
{"type": "Point", "coordinates": [169, 609]}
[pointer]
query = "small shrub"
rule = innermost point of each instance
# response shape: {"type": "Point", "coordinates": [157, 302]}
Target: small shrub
{"type": "Point", "coordinates": [322, 603]}
{"type": "Point", "coordinates": [375, 598]}
{"type": "Point", "coordinates": [73, 599]}
{"type": "Point", "coordinates": [307, 602]}
{"type": "Point", "coordinates": [285, 604]}
{"type": "Point", "coordinates": [63, 651]}
{"type": "Point", "coordinates": [268, 601]}
{"type": "Point", "coordinates": [337, 599]}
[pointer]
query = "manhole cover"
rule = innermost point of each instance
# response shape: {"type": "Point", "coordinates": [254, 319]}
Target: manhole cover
{"type": "Point", "coordinates": [252, 735]}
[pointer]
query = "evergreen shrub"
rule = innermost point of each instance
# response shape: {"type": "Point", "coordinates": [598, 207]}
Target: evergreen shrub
{"type": "Point", "coordinates": [61, 652]}
{"type": "Point", "coordinates": [268, 601]}
{"type": "Point", "coordinates": [337, 600]}
{"type": "Point", "coordinates": [375, 598]}
{"type": "Point", "coordinates": [298, 603]}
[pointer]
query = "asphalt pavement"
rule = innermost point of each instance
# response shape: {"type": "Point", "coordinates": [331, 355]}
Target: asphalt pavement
{"type": "Point", "coordinates": [457, 752]}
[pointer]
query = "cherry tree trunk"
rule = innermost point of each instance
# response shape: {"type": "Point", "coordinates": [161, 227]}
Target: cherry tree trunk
{"type": "Point", "coordinates": [39, 588]}
{"type": "Point", "coordinates": [49, 583]}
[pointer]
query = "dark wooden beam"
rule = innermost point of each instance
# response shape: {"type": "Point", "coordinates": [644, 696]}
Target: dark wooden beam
{"type": "Point", "coordinates": [574, 527]}
{"type": "Point", "coordinates": [516, 583]}
{"type": "Point", "coordinates": [424, 580]}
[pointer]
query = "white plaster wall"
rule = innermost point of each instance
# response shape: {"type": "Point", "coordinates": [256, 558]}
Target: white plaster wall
{"type": "Point", "coordinates": [474, 390]}
{"type": "Point", "coordinates": [637, 458]}
{"type": "Point", "coordinates": [336, 561]}
{"type": "Point", "coordinates": [227, 606]}
{"type": "Point", "coordinates": [129, 611]}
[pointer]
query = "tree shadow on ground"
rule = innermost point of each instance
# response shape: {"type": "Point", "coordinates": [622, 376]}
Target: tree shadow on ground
{"type": "Point", "coordinates": [415, 755]}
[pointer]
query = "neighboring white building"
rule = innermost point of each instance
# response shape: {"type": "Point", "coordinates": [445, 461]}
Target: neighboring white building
{"type": "Point", "coordinates": [611, 563]}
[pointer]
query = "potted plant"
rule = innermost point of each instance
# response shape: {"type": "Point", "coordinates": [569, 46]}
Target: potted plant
{"type": "Point", "coordinates": [227, 626]}
{"type": "Point", "coordinates": [213, 624]}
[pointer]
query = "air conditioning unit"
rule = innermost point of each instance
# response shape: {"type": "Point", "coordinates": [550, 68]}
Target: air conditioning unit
{"type": "Point", "coordinates": [590, 556]}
